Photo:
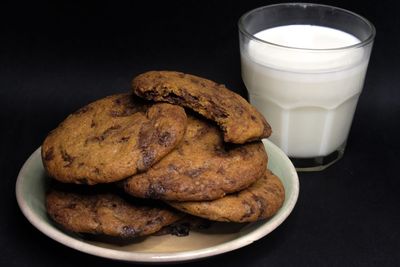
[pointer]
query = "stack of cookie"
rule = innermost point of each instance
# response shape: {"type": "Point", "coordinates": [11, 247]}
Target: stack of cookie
{"type": "Point", "coordinates": [178, 139]}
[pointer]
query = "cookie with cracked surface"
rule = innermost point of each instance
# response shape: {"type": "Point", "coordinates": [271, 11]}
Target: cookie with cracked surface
{"type": "Point", "coordinates": [106, 214]}
{"type": "Point", "coordinates": [260, 201]}
{"type": "Point", "coordinates": [111, 139]}
{"type": "Point", "coordinates": [239, 120]}
{"type": "Point", "coordinates": [202, 167]}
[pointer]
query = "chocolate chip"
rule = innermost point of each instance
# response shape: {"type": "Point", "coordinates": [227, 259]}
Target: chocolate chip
{"type": "Point", "coordinates": [49, 154]}
{"type": "Point", "coordinates": [149, 94]}
{"type": "Point", "coordinates": [155, 191]}
{"type": "Point", "coordinates": [67, 158]}
{"type": "Point", "coordinates": [93, 124]}
{"type": "Point", "coordinates": [193, 173]}
{"type": "Point", "coordinates": [261, 205]}
{"type": "Point", "coordinates": [123, 139]}
{"type": "Point", "coordinates": [120, 100]}
{"type": "Point", "coordinates": [174, 98]}
{"type": "Point", "coordinates": [146, 136]}
{"type": "Point", "coordinates": [165, 138]}
{"type": "Point", "coordinates": [129, 231]}
{"type": "Point", "coordinates": [239, 110]}
{"type": "Point", "coordinates": [180, 229]}
{"type": "Point", "coordinates": [172, 168]}
{"type": "Point", "coordinates": [217, 112]}
{"type": "Point", "coordinates": [148, 157]}
{"type": "Point", "coordinates": [249, 210]}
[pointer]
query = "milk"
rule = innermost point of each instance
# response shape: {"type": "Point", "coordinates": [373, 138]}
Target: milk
{"type": "Point", "coordinates": [308, 96]}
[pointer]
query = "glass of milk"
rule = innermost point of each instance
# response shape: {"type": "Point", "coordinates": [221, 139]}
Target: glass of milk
{"type": "Point", "coordinates": [304, 67]}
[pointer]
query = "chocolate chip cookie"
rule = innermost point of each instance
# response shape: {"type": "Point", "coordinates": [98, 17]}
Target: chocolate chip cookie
{"type": "Point", "coordinates": [202, 167]}
{"type": "Point", "coordinates": [106, 214]}
{"type": "Point", "coordinates": [239, 120]}
{"type": "Point", "coordinates": [260, 201]}
{"type": "Point", "coordinates": [111, 139]}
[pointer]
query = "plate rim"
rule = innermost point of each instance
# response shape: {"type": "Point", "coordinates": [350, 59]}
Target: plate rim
{"type": "Point", "coordinates": [156, 257]}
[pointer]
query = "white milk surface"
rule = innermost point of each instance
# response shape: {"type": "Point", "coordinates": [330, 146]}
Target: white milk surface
{"type": "Point", "coordinates": [308, 95]}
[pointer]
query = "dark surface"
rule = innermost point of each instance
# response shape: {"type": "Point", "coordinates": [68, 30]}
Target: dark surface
{"type": "Point", "coordinates": [57, 57]}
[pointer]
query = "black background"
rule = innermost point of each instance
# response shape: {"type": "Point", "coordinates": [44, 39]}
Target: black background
{"type": "Point", "coordinates": [58, 56]}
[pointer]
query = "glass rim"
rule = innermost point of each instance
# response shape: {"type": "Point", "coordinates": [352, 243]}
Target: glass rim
{"type": "Point", "coordinates": [368, 40]}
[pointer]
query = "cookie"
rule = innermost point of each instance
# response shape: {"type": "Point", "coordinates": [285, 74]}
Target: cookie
{"type": "Point", "coordinates": [260, 201]}
{"type": "Point", "coordinates": [239, 120]}
{"type": "Point", "coordinates": [111, 139]}
{"type": "Point", "coordinates": [202, 167]}
{"type": "Point", "coordinates": [106, 214]}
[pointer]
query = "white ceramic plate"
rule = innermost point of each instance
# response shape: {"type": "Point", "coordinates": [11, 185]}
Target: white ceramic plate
{"type": "Point", "coordinates": [31, 187]}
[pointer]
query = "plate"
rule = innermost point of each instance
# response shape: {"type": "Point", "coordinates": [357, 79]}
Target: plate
{"type": "Point", "coordinates": [30, 191]}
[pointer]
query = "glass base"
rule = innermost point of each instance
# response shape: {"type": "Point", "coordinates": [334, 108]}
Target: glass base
{"type": "Point", "coordinates": [318, 163]}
